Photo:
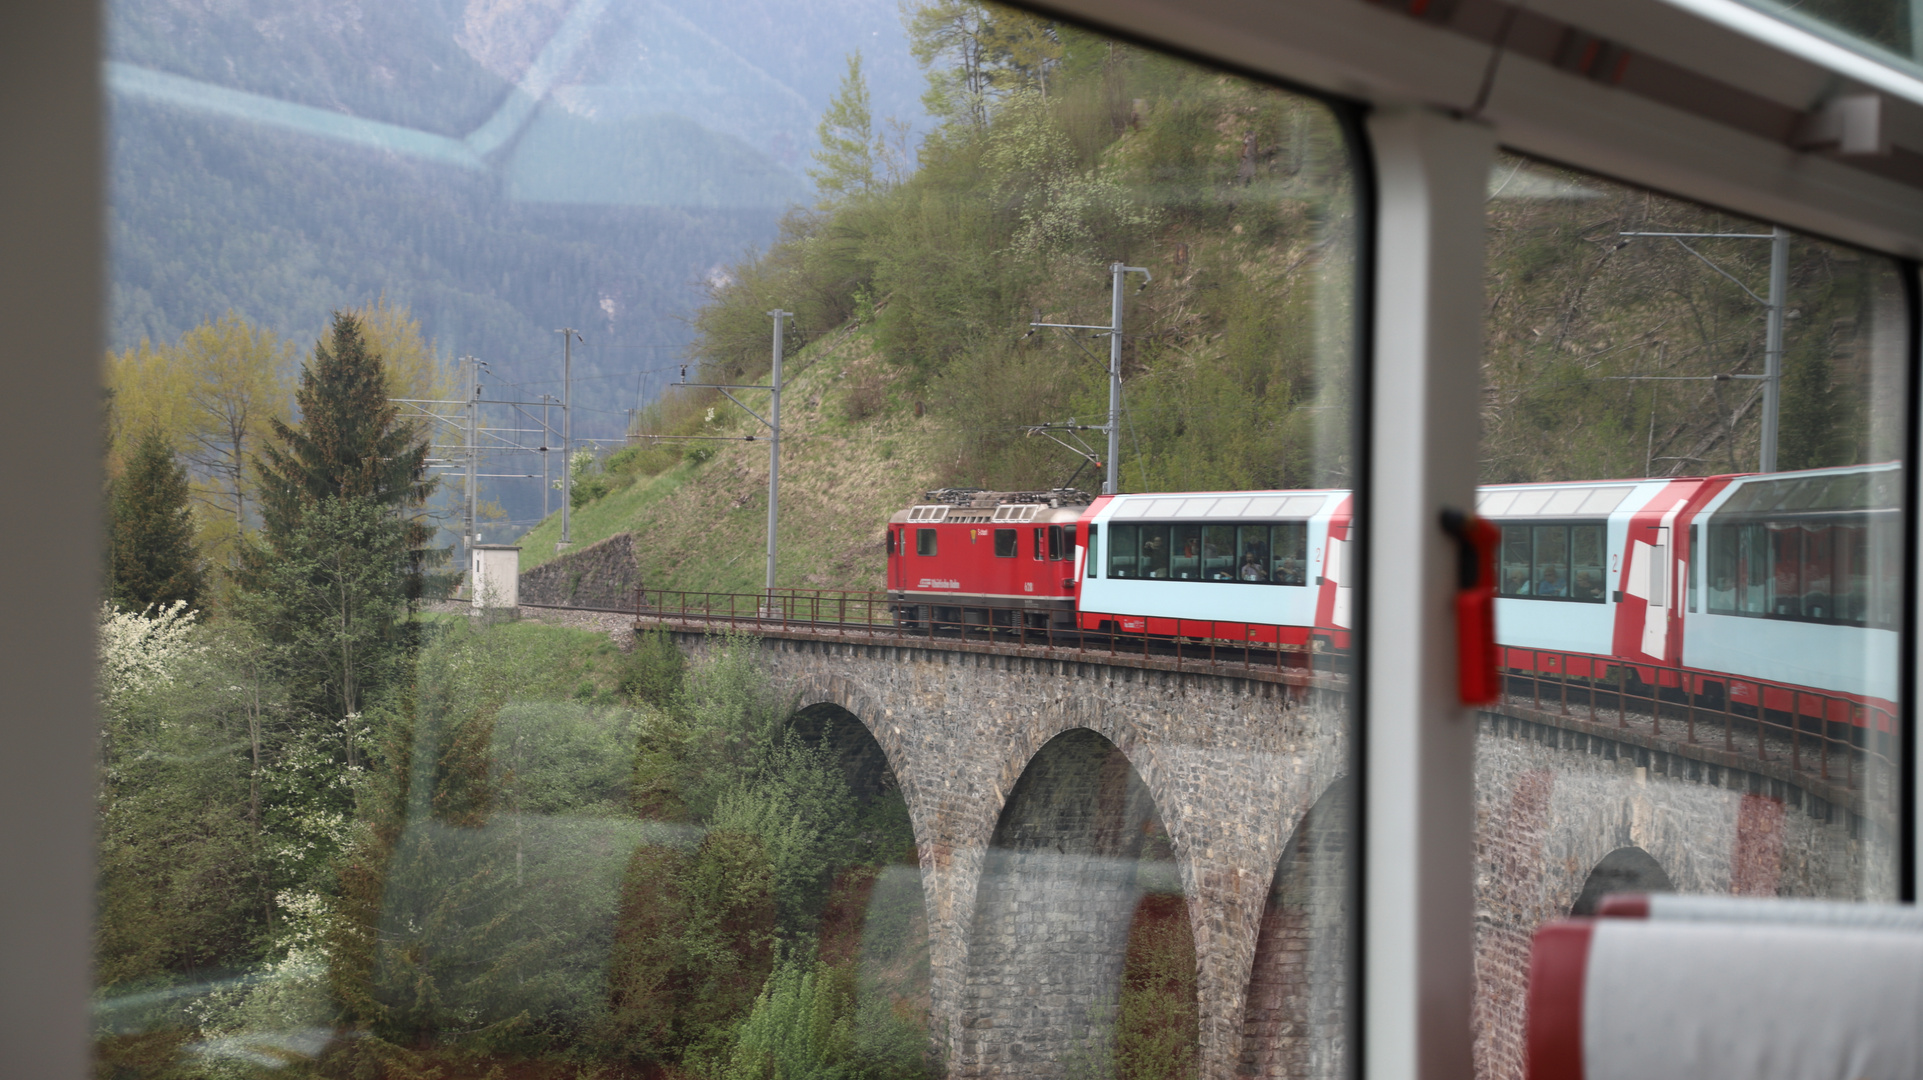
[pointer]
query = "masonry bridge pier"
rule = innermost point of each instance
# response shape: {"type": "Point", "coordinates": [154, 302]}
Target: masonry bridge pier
{"type": "Point", "coordinates": [1059, 797]}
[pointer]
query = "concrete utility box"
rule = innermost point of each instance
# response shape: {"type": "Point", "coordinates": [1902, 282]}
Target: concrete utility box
{"type": "Point", "coordinates": [494, 576]}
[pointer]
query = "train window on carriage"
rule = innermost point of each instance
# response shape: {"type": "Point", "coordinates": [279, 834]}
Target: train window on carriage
{"type": "Point", "coordinates": [1289, 552]}
{"type": "Point", "coordinates": [892, 538]}
{"type": "Point", "coordinates": [925, 541]}
{"type": "Point", "coordinates": [1185, 553]}
{"type": "Point", "coordinates": [1059, 545]}
{"type": "Point", "coordinates": [1587, 574]}
{"type": "Point", "coordinates": [1218, 553]}
{"type": "Point", "coordinates": [1614, 320]}
{"type": "Point", "coordinates": [1517, 579]}
{"type": "Point", "coordinates": [1041, 543]}
{"type": "Point", "coordinates": [1005, 543]}
{"type": "Point", "coordinates": [1124, 551]}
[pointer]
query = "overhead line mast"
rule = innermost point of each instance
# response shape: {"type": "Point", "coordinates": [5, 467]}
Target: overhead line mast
{"type": "Point", "coordinates": [1111, 474]}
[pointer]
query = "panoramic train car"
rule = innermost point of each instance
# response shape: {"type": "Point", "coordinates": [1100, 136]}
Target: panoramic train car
{"type": "Point", "coordinates": [1266, 566]}
{"type": "Point", "coordinates": [1770, 590]}
{"type": "Point", "coordinates": [982, 557]}
{"type": "Point", "coordinates": [1798, 583]}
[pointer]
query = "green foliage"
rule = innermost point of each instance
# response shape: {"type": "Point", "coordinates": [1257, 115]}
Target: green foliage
{"type": "Point", "coordinates": [1061, 153]}
{"type": "Point", "coordinates": [801, 1028]}
{"type": "Point", "coordinates": [654, 668]}
{"type": "Point", "coordinates": [329, 599]}
{"type": "Point", "coordinates": [350, 444]}
{"type": "Point", "coordinates": [797, 805]}
{"type": "Point", "coordinates": [719, 729]}
{"type": "Point", "coordinates": [849, 148]}
{"type": "Point", "coordinates": [152, 560]}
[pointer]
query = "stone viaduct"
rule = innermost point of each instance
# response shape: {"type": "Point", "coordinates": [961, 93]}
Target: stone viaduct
{"type": "Point", "coordinates": [1050, 791]}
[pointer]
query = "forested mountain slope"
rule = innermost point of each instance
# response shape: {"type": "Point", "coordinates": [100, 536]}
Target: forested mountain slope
{"type": "Point", "coordinates": [1058, 153]}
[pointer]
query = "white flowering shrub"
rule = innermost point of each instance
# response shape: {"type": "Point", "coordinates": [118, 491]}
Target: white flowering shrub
{"type": "Point", "coordinates": [142, 650]}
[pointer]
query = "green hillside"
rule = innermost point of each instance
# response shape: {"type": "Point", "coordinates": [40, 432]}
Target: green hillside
{"type": "Point", "coordinates": [914, 365]}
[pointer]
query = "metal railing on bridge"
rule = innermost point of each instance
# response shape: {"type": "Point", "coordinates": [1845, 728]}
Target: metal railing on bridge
{"type": "Point", "coordinates": [1819, 733]}
{"type": "Point", "coordinates": [873, 616]}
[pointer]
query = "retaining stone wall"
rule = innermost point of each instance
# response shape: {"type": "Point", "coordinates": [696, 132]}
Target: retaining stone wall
{"type": "Point", "coordinates": [601, 575]}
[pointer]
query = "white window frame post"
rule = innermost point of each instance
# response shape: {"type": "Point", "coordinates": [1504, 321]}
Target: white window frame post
{"type": "Point", "coordinates": [1418, 911]}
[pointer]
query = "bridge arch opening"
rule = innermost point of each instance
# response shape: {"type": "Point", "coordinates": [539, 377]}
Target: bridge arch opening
{"type": "Point", "coordinates": [874, 925]}
{"type": "Point", "coordinates": [1624, 870]}
{"type": "Point", "coordinates": [1293, 1022]}
{"type": "Point", "coordinates": [1081, 955]}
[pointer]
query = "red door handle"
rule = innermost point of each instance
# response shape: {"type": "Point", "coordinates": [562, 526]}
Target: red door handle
{"type": "Point", "coordinates": [1478, 680]}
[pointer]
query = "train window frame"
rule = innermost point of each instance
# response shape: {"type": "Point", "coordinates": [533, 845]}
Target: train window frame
{"type": "Point", "coordinates": [1746, 528]}
{"type": "Point", "coordinates": [893, 541]}
{"type": "Point", "coordinates": [1406, 924]}
{"type": "Point", "coordinates": [1569, 527]}
{"type": "Point", "coordinates": [1008, 543]}
{"type": "Point", "coordinates": [927, 541]}
{"type": "Point", "coordinates": [1041, 543]}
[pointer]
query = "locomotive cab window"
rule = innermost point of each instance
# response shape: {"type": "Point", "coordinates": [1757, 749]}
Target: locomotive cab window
{"type": "Point", "coordinates": [1041, 544]}
{"type": "Point", "coordinates": [924, 541]}
{"type": "Point", "coordinates": [1005, 543]}
{"type": "Point", "coordinates": [893, 539]}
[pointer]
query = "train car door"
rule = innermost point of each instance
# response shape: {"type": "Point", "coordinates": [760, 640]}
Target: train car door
{"type": "Point", "coordinates": [1649, 601]}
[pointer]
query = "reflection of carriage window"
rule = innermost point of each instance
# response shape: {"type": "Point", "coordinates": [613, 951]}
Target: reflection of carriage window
{"type": "Point", "coordinates": [1833, 569]}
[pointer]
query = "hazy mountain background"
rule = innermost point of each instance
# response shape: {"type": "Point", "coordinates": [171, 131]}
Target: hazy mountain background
{"type": "Point", "coordinates": [500, 167]}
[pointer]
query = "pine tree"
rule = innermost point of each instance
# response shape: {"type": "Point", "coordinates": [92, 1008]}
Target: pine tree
{"type": "Point", "coordinates": [848, 146]}
{"type": "Point", "coordinates": [350, 444]}
{"type": "Point", "coordinates": [152, 559]}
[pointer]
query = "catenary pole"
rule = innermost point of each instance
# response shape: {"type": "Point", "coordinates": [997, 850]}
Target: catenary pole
{"type": "Point", "coordinates": [471, 452]}
{"type": "Point", "coordinates": [774, 448]}
{"type": "Point", "coordinates": [1773, 348]}
{"type": "Point", "coordinates": [567, 434]}
{"type": "Point", "coordinates": [1111, 478]}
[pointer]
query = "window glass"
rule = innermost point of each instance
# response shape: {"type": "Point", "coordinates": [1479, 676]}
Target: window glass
{"type": "Point", "coordinates": [1289, 546]}
{"type": "Point", "coordinates": [574, 247]}
{"type": "Point", "coordinates": [1124, 542]}
{"type": "Point", "coordinates": [1633, 337]}
{"type": "Point", "coordinates": [1155, 551]}
{"type": "Point", "coordinates": [1218, 553]}
{"type": "Point", "coordinates": [1252, 544]}
{"type": "Point", "coordinates": [1586, 575]}
{"type": "Point", "coordinates": [1517, 559]}
{"type": "Point", "coordinates": [1887, 31]}
{"type": "Point", "coordinates": [1093, 558]}
{"type": "Point", "coordinates": [1185, 564]}
{"type": "Point", "coordinates": [1552, 560]}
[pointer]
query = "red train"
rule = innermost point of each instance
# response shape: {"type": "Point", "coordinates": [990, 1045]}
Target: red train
{"type": "Point", "coordinates": [1782, 590]}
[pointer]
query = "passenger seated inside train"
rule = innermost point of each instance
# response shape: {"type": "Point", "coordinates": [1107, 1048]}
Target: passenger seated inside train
{"type": "Point", "coordinates": [1589, 585]}
{"type": "Point", "coordinates": [1288, 571]}
{"type": "Point", "coordinates": [1251, 569]}
{"type": "Point", "coordinates": [1516, 582]}
{"type": "Point", "coordinates": [1552, 583]}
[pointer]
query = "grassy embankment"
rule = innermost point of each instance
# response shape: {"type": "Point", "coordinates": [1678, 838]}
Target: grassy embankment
{"type": "Point", "coordinates": [853, 452]}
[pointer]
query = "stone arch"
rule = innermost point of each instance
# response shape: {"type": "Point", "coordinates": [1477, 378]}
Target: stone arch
{"type": "Point", "coordinates": [1078, 855]}
{"type": "Point", "coordinates": [1626, 869]}
{"type": "Point", "coordinates": [1295, 1020]}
